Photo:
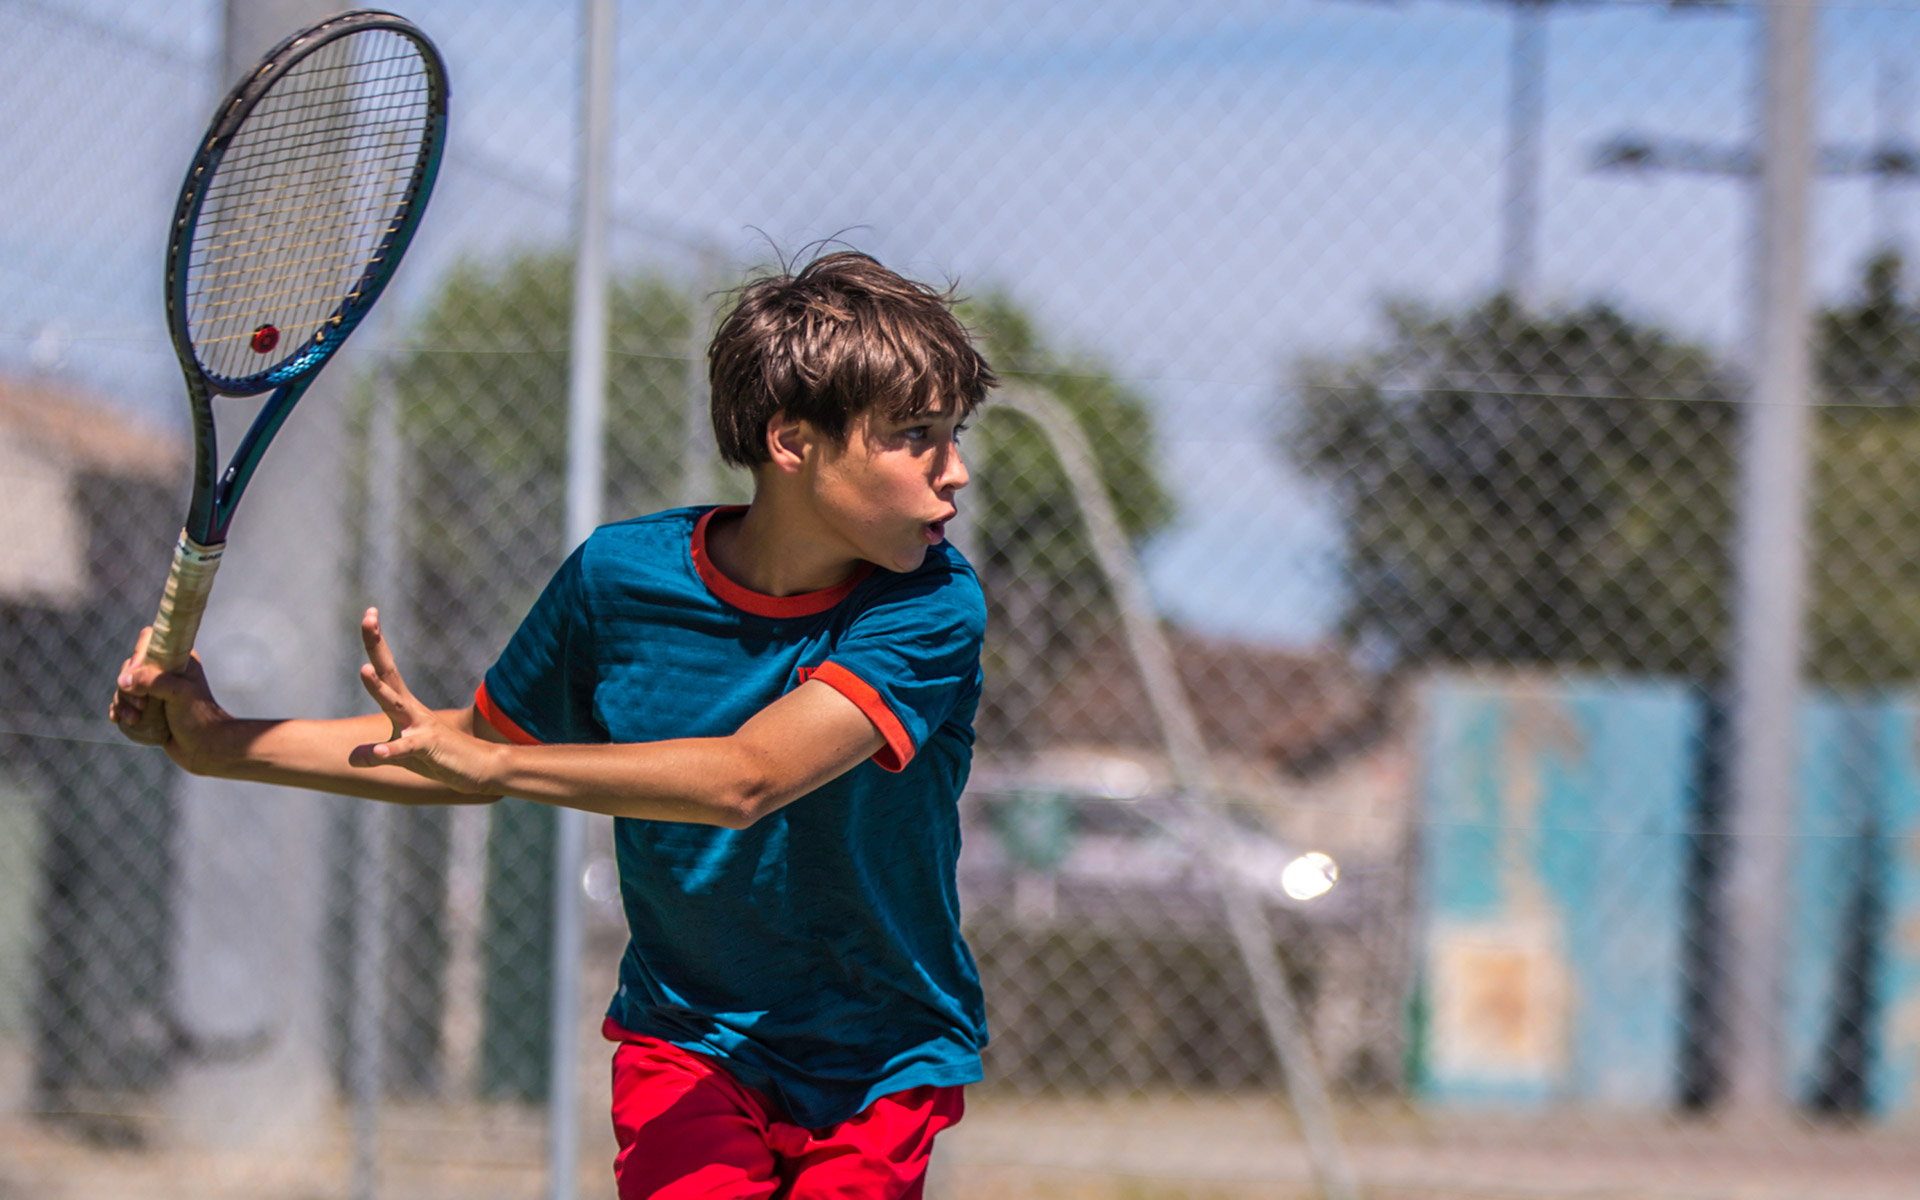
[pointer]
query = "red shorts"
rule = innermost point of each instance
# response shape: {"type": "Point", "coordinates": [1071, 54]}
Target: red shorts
{"type": "Point", "coordinates": [688, 1128]}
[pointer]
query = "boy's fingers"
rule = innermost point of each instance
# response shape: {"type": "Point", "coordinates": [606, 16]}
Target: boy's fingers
{"type": "Point", "coordinates": [388, 753]}
{"type": "Point", "coordinates": [382, 694]}
{"type": "Point", "coordinates": [373, 754]}
{"type": "Point", "coordinates": [378, 652]}
{"type": "Point", "coordinates": [145, 679]}
{"type": "Point", "coordinates": [380, 657]}
{"type": "Point", "coordinates": [139, 683]}
{"type": "Point", "coordinates": [396, 702]}
{"type": "Point", "coordinates": [126, 712]}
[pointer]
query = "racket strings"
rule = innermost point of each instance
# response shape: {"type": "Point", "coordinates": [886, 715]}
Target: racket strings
{"type": "Point", "coordinates": [334, 205]}
{"type": "Point", "coordinates": [286, 243]}
{"type": "Point", "coordinates": [337, 104]}
{"type": "Point", "coordinates": [319, 173]}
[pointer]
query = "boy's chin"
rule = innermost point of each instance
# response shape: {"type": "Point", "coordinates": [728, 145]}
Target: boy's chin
{"type": "Point", "coordinates": [905, 560]}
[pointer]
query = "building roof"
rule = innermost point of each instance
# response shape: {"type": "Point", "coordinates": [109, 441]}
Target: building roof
{"type": "Point", "coordinates": [1297, 710]}
{"type": "Point", "coordinates": [85, 434]}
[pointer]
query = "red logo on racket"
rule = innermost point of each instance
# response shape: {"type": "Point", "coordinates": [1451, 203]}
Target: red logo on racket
{"type": "Point", "coordinates": [265, 339]}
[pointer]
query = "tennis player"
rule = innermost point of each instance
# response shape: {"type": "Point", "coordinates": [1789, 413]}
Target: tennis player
{"type": "Point", "coordinates": [775, 703]}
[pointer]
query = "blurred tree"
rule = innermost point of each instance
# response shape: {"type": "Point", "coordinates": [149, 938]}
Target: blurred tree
{"type": "Point", "coordinates": [1527, 488]}
{"type": "Point", "coordinates": [1864, 593]}
{"type": "Point", "coordinates": [1045, 595]}
{"type": "Point", "coordinates": [1559, 489]}
{"type": "Point", "coordinates": [483, 401]}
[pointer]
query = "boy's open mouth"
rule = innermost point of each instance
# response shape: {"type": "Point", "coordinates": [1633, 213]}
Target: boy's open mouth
{"type": "Point", "coordinates": [936, 531]}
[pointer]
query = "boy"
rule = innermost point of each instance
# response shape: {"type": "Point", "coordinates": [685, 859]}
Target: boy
{"type": "Point", "coordinates": [775, 703]}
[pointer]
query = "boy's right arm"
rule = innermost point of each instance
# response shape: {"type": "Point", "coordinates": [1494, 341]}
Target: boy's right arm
{"type": "Point", "coordinates": [204, 739]}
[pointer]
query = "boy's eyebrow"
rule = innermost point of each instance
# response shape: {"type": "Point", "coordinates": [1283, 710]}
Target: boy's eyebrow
{"type": "Point", "coordinates": [932, 408]}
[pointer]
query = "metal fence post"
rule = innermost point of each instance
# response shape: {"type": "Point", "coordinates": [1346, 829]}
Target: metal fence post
{"type": "Point", "coordinates": [586, 485]}
{"type": "Point", "coordinates": [1769, 607]}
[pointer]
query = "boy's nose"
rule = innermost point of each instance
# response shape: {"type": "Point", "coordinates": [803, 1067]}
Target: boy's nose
{"type": "Point", "coordinates": [953, 471]}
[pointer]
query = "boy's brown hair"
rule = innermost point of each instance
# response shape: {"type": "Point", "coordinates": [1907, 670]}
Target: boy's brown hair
{"type": "Point", "coordinates": [842, 336]}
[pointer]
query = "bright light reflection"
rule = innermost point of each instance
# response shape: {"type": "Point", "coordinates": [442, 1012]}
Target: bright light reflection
{"type": "Point", "coordinates": [601, 881]}
{"type": "Point", "coordinates": [1311, 875]}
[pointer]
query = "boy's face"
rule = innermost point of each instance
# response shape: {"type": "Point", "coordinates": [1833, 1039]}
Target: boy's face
{"type": "Point", "coordinates": [889, 490]}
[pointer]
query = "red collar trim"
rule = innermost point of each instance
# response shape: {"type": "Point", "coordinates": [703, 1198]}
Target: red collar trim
{"type": "Point", "coordinates": [805, 604]}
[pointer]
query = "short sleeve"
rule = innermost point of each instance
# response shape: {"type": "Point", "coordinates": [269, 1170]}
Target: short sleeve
{"type": "Point", "coordinates": [541, 689]}
{"type": "Point", "coordinates": [909, 656]}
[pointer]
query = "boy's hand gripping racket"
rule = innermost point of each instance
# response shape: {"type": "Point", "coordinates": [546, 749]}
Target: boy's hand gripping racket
{"type": "Point", "coordinates": [297, 208]}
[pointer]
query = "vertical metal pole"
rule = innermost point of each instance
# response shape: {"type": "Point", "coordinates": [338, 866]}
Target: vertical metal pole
{"type": "Point", "coordinates": [1889, 130]}
{"type": "Point", "coordinates": [249, 936]}
{"type": "Point", "coordinates": [367, 993]}
{"type": "Point", "coordinates": [1770, 604]}
{"type": "Point", "coordinates": [366, 1015]}
{"type": "Point", "coordinates": [587, 362]}
{"type": "Point", "coordinates": [1526, 85]}
{"type": "Point", "coordinates": [586, 476]}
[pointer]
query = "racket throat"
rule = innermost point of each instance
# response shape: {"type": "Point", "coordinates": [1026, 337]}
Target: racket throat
{"type": "Point", "coordinates": [226, 493]}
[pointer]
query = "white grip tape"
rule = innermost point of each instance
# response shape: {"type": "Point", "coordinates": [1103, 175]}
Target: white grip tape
{"type": "Point", "coordinates": [189, 584]}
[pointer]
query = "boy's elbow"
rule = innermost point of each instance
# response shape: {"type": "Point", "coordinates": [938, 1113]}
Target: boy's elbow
{"type": "Point", "coordinates": [749, 796]}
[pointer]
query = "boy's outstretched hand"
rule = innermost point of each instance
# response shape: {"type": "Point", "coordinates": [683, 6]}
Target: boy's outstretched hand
{"type": "Point", "coordinates": [423, 741]}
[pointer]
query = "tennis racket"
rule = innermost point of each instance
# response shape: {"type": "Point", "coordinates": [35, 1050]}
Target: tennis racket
{"type": "Point", "coordinates": [295, 212]}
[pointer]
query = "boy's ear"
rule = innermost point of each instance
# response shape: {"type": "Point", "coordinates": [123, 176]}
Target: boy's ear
{"type": "Point", "coordinates": [788, 439]}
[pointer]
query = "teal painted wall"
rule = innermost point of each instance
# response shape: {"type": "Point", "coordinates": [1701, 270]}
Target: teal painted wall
{"type": "Point", "coordinates": [1894, 1083]}
{"type": "Point", "coordinates": [1554, 868]}
{"type": "Point", "coordinates": [1554, 907]}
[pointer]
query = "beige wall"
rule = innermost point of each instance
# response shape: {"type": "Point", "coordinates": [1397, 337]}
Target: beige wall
{"type": "Point", "coordinates": [44, 553]}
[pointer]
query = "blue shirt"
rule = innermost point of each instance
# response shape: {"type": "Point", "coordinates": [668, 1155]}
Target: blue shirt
{"type": "Point", "coordinates": [818, 952]}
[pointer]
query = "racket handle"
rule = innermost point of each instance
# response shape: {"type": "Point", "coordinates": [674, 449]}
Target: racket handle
{"type": "Point", "coordinates": [189, 584]}
{"type": "Point", "coordinates": [175, 626]}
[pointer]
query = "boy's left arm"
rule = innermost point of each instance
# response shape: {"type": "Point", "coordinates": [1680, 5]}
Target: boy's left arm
{"type": "Point", "coordinates": [807, 737]}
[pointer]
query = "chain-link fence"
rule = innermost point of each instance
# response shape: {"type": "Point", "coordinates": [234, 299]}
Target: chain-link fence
{"type": "Point", "coordinates": [1416, 346]}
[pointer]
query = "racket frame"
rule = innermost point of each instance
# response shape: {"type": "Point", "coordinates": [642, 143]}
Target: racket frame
{"type": "Point", "coordinates": [217, 491]}
{"type": "Point", "coordinates": [215, 496]}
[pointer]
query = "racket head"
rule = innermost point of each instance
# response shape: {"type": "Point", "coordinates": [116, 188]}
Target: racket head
{"type": "Point", "coordinates": [301, 201]}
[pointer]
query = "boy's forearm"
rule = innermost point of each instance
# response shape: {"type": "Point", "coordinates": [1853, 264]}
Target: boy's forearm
{"type": "Point", "coordinates": [313, 755]}
{"type": "Point", "coordinates": [702, 781]}
{"type": "Point", "coordinates": [807, 737]}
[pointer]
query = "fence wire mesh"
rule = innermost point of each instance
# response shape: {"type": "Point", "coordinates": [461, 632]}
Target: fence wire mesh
{"type": "Point", "coordinates": [1412, 344]}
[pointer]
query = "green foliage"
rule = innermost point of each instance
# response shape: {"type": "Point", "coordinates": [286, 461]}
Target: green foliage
{"type": "Point", "coordinates": [1864, 591]}
{"type": "Point", "coordinates": [1018, 484]}
{"type": "Point", "coordinates": [1561, 489]}
{"type": "Point", "coordinates": [483, 399]}
{"type": "Point", "coordinates": [1046, 598]}
{"type": "Point", "coordinates": [1527, 488]}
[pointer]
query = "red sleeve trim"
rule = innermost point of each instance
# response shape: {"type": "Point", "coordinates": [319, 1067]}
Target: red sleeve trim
{"type": "Point", "coordinates": [506, 725]}
{"type": "Point", "coordinates": [898, 752]}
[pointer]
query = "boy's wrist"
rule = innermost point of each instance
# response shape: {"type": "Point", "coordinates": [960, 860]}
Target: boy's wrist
{"type": "Point", "coordinates": [494, 778]}
{"type": "Point", "coordinates": [223, 743]}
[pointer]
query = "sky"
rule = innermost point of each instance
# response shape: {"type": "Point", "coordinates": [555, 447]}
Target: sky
{"type": "Point", "coordinates": [1195, 196]}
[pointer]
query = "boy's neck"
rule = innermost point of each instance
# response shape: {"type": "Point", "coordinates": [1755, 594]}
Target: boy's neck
{"type": "Point", "coordinates": [774, 549]}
